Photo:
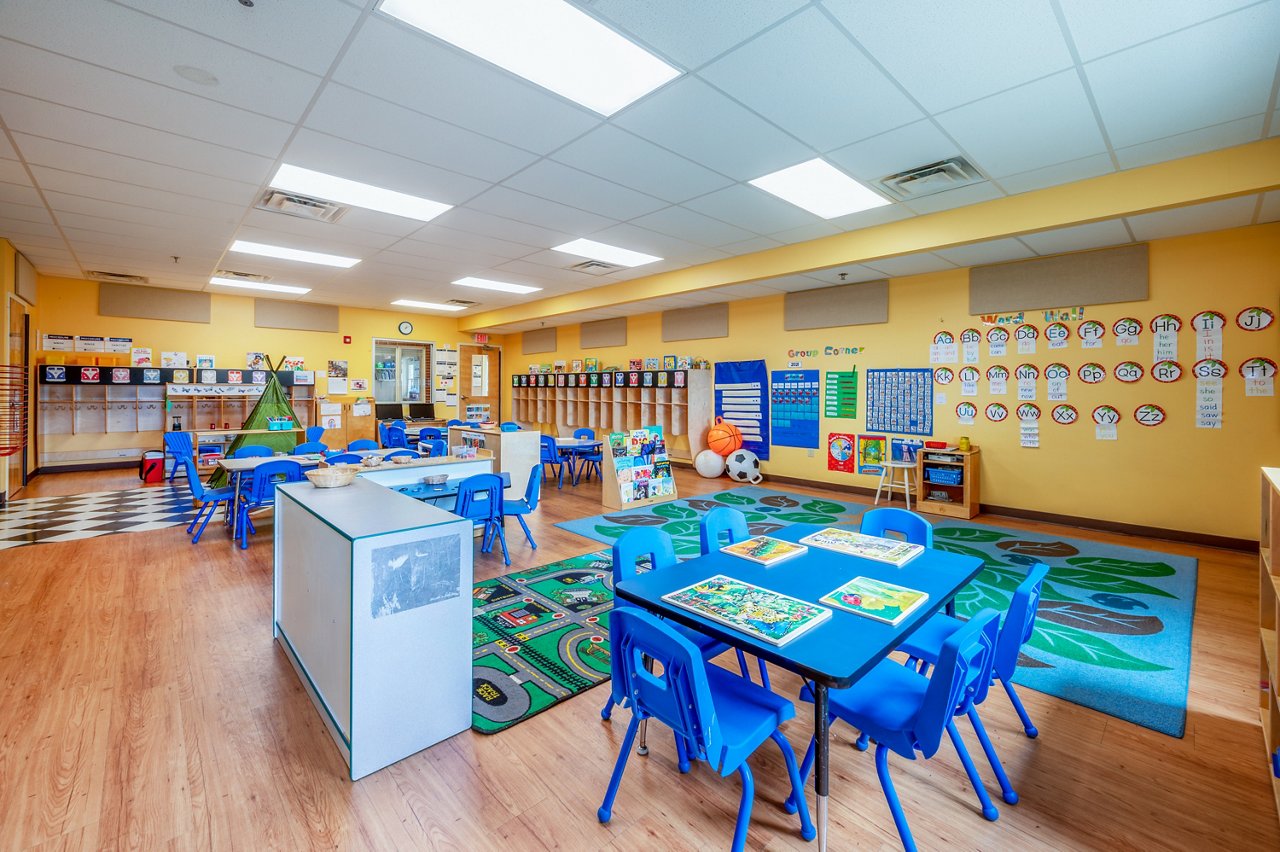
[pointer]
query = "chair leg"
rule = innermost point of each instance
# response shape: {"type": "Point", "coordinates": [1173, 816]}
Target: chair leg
{"type": "Point", "coordinates": [891, 796]}
{"type": "Point", "coordinates": [988, 808]}
{"type": "Point", "coordinates": [806, 765]}
{"type": "Point", "coordinates": [527, 534]}
{"type": "Point", "coordinates": [502, 539]}
{"type": "Point", "coordinates": [742, 663]}
{"type": "Point", "coordinates": [606, 712]}
{"type": "Point", "coordinates": [606, 808]}
{"type": "Point", "coordinates": [199, 511]}
{"type": "Point", "coordinates": [1006, 789]}
{"type": "Point", "coordinates": [764, 674]}
{"type": "Point", "coordinates": [1028, 728]}
{"type": "Point", "coordinates": [796, 799]}
{"type": "Point", "coordinates": [744, 809]}
{"type": "Point", "coordinates": [213, 507]}
{"type": "Point", "coordinates": [862, 741]}
{"type": "Point", "coordinates": [682, 754]}
{"type": "Point", "coordinates": [643, 750]}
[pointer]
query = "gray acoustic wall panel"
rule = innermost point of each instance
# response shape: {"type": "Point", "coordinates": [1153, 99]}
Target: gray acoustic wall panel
{"type": "Point", "coordinates": [297, 316]}
{"type": "Point", "coordinates": [829, 307]}
{"type": "Point", "coordinates": [1066, 280]}
{"type": "Point", "coordinates": [24, 279]}
{"type": "Point", "coordinates": [541, 340]}
{"type": "Point", "coordinates": [697, 323]}
{"type": "Point", "coordinates": [602, 333]}
{"type": "Point", "coordinates": [132, 300]}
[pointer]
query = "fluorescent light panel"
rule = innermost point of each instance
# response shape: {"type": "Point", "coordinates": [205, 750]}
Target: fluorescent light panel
{"type": "Point", "coordinates": [246, 247]}
{"type": "Point", "coordinates": [308, 182]}
{"type": "Point", "coordinates": [820, 188]}
{"type": "Point", "coordinates": [547, 42]}
{"type": "Point", "coordinates": [431, 306]}
{"type": "Point", "coordinates": [486, 284]}
{"type": "Point", "coordinates": [605, 252]}
{"type": "Point", "coordinates": [254, 285]}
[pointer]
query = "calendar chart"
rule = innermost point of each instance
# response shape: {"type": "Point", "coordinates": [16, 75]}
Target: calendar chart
{"type": "Point", "coordinates": [793, 405]}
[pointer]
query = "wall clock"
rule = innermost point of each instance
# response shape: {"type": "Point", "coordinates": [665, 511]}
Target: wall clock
{"type": "Point", "coordinates": [406, 327]}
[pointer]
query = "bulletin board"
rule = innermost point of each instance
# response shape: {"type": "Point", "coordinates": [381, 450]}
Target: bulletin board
{"type": "Point", "coordinates": [793, 405]}
{"type": "Point", "coordinates": [742, 398]}
{"type": "Point", "coordinates": [900, 401]}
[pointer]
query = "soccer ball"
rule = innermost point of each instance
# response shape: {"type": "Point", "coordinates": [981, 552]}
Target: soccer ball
{"type": "Point", "coordinates": [744, 466]}
{"type": "Point", "coordinates": [709, 463]}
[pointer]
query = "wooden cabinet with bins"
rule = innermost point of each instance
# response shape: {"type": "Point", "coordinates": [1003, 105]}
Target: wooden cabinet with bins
{"type": "Point", "coordinates": [1268, 617]}
{"type": "Point", "coordinates": [950, 472]}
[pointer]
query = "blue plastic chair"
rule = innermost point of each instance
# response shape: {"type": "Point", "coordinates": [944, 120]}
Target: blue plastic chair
{"type": "Point", "coordinates": [261, 492]}
{"type": "Point", "coordinates": [433, 448]}
{"type": "Point", "coordinates": [716, 716]}
{"type": "Point", "coordinates": [1019, 622]}
{"type": "Point", "coordinates": [588, 434]}
{"type": "Point", "coordinates": [551, 456]}
{"type": "Point", "coordinates": [906, 712]}
{"type": "Point", "coordinates": [396, 438]}
{"type": "Point", "coordinates": [430, 433]}
{"type": "Point", "coordinates": [480, 500]}
{"type": "Point", "coordinates": [396, 454]}
{"type": "Point", "coordinates": [910, 526]}
{"type": "Point", "coordinates": [180, 447]}
{"type": "Point", "coordinates": [208, 498]}
{"type": "Point", "coordinates": [362, 444]}
{"type": "Point", "coordinates": [509, 426]}
{"type": "Point", "coordinates": [454, 422]}
{"type": "Point", "coordinates": [252, 451]}
{"type": "Point", "coordinates": [345, 458]}
{"type": "Point", "coordinates": [310, 447]}
{"type": "Point", "coordinates": [587, 459]}
{"type": "Point", "coordinates": [527, 504]}
{"type": "Point", "coordinates": [654, 545]}
{"type": "Point", "coordinates": [732, 524]}
{"type": "Point", "coordinates": [314, 433]}
{"type": "Point", "coordinates": [382, 434]}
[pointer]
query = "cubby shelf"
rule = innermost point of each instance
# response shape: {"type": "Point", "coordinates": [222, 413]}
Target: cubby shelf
{"type": "Point", "coordinates": [1268, 618]}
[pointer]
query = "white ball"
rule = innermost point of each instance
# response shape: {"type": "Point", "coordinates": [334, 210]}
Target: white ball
{"type": "Point", "coordinates": [709, 463]}
{"type": "Point", "coordinates": [744, 466]}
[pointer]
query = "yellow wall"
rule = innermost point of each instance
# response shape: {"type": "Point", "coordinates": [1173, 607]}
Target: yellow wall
{"type": "Point", "coordinates": [1173, 476]}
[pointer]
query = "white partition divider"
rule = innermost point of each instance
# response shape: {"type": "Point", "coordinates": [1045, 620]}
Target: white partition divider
{"type": "Point", "coordinates": [373, 609]}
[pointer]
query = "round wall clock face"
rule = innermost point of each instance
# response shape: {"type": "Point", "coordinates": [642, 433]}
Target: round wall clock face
{"type": "Point", "coordinates": [406, 327]}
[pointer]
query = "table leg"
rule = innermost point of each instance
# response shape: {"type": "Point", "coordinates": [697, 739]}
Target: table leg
{"type": "Point", "coordinates": [234, 505]}
{"type": "Point", "coordinates": [821, 733]}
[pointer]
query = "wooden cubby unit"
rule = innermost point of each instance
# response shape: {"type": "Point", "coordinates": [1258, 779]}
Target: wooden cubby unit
{"type": "Point", "coordinates": [964, 499]}
{"type": "Point", "coordinates": [1268, 616]}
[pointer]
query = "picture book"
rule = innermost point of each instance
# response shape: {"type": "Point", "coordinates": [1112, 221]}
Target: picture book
{"type": "Point", "coordinates": [575, 365]}
{"type": "Point", "coordinates": [890, 550]}
{"type": "Point", "coordinates": [668, 362]}
{"type": "Point", "coordinates": [763, 549]}
{"type": "Point", "coordinates": [652, 364]}
{"type": "Point", "coordinates": [662, 470]}
{"type": "Point", "coordinates": [760, 613]}
{"type": "Point", "coordinates": [635, 364]}
{"type": "Point", "coordinates": [876, 599]}
{"type": "Point", "coordinates": [559, 366]}
{"type": "Point", "coordinates": [592, 364]}
{"type": "Point", "coordinates": [617, 444]}
{"type": "Point", "coordinates": [684, 362]}
{"type": "Point", "coordinates": [643, 472]}
{"type": "Point", "coordinates": [641, 489]}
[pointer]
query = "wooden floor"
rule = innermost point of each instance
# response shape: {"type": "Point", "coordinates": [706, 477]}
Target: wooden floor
{"type": "Point", "coordinates": [143, 704]}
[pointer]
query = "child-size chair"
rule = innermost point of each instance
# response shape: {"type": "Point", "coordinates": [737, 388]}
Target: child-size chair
{"type": "Point", "coordinates": [310, 447]}
{"type": "Point", "coordinates": [208, 498]}
{"type": "Point", "coordinates": [480, 500]}
{"type": "Point", "coordinates": [261, 492]}
{"type": "Point", "coordinates": [527, 504]}
{"type": "Point", "coordinates": [732, 524]}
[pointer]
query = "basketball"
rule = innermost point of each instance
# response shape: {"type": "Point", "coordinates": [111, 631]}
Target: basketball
{"type": "Point", "coordinates": [723, 438]}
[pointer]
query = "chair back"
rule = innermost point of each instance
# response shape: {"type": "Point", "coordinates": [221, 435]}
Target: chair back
{"type": "Point", "coordinates": [396, 438]}
{"type": "Point", "coordinates": [252, 451]}
{"type": "Point", "coordinates": [401, 454]}
{"type": "Point", "coordinates": [362, 444]}
{"type": "Point", "coordinates": [382, 433]}
{"type": "Point", "coordinates": [179, 444]}
{"type": "Point", "coordinates": [345, 458]}
{"type": "Point", "coordinates": [673, 688]}
{"type": "Point", "coordinates": [430, 433]}
{"type": "Point", "coordinates": [454, 422]}
{"type": "Point", "coordinates": [533, 488]}
{"type": "Point", "coordinates": [589, 434]}
{"type": "Point", "coordinates": [433, 448]}
{"type": "Point", "coordinates": [959, 680]}
{"type": "Point", "coordinates": [508, 426]}
{"type": "Point", "coordinates": [480, 497]}
{"type": "Point", "coordinates": [193, 476]}
{"type": "Point", "coordinates": [314, 433]}
{"type": "Point", "coordinates": [397, 422]}
{"type": "Point", "coordinates": [550, 452]}
{"type": "Point", "coordinates": [1019, 621]}
{"type": "Point", "coordinates": [262, 490]}
{"type": "Point", "coordinates": [636, 543]}
{"type": "Point", "coordinates": [310, 447]}
{"type": "Point", "coordinates": [722, 519]}
{"type": "Point", "coordinates": [912, 527]}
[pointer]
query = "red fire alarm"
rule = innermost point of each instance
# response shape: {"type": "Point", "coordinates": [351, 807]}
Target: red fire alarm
{"type": "Point", "coordinates": [346, 338]}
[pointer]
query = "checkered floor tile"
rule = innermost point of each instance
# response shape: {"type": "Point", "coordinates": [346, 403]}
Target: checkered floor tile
{"type": "Point", "coordinates": [46, 519]}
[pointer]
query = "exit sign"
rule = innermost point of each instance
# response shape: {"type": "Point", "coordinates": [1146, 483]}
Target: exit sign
{"type": "Point", "coordinates": [480, 338]}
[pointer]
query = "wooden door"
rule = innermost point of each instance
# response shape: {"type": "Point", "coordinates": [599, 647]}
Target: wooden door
{"type": "Point", "coordinates": [18, 348]}
{"type": "Point", "coordinates": [479, 377]}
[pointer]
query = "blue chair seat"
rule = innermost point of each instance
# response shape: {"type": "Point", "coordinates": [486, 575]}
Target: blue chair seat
{"type": "Point", "coordinates": [928, 637]}
{"type": "Point", "coordinates": [884, 700]}
{"type": "Point", "coordinates": [757, 712]}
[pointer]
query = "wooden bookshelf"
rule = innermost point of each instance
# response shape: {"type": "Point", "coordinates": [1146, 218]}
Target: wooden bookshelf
{"type": "Point", "coordinates": [1268, 618]}
{"type": "Point", "coordinates": [962, 496]}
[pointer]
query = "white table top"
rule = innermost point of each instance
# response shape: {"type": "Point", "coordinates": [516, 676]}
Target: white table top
{"type": "Point", "coordinates": [365, 508]}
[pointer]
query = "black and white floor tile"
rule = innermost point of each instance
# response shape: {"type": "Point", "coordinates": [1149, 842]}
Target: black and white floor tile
{"type": "Point", "coordinates": [48, 519]}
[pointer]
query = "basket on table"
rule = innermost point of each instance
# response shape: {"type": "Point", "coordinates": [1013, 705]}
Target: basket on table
{"type": "Point", "coordinates": [334, 476]}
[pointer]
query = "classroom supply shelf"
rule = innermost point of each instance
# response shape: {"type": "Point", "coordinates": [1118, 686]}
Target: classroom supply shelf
{"type": "Point", "coordinates": [1268, 618]}
{"type": "Point", "coordinates": [948, 482]}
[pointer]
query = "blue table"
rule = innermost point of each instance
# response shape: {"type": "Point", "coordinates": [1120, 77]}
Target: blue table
{"type": "Point", "coordinates": [835, 653]}
{"type": "Point", "coordinates": [422, 491]}
{"type": "Point", "coordinates": [575, 448]}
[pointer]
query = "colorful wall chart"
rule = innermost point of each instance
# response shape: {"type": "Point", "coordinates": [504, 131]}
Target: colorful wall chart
{"type": "Point", "coordinates": [742, 399]}
{"type": "Point", "coordinates": [793, 406]}
{"type": "Point", "coordinates": [900, 401]}
{"type": "Point", "coordinates": [871, 453]}
{"type": "Point", "coordinates": [840, 453]}
{"type": "Point", "coordinates": [841, 394]}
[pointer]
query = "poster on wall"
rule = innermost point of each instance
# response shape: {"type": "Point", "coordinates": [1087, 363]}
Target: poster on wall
{"type": "Point", "coordinates": [173, 359]}
{"type": "Point", "coordinates": [292, 362]}
{"type": "Point", "coordinates": [205, 362]}
{"type": "Point", "coordinates": [900, 401]}
{"type": "Point", "coordinates": [140, 356]}
{"type": "Point", "coordinates": [841, 393]}
{"type": "Point", "coordinates": [87, 343]}
{"type": "Point", "coordinates": [57, 342]}
{"type": "Point", "coordinates": [255, 360]}
{"type": "Point", "coordinates": [1259, 376]}
{"type": "Point", "coordinates": [1164, 331]}
{"type": "Point", "coordinates": [119, 345]}
{"type": "Point", "coordinates": [840, 453]}
{"type": "Point", "coordinates": [359, 385]}
{"type": "Point", "coordinates": [741, 398]}
{"type": "Point", "coordinates": [997, 342]}
{"type": "Point", "coordinates": [871, 454]}
{"type": "Point", "coordinates": [1105, 420]}
{"type": "Point", "coordinates": [943, 350]}
{"type": "Point", "coordinates": [1208, 326]}
{"type": "Point", "coordinates": [1209, 374]}
{"type": "Point", "coordinates": [793, 406]}
{"type": "Point", "coordinates": [969, 340]}
{"type": "Point", "coordinates": [1026, 335]}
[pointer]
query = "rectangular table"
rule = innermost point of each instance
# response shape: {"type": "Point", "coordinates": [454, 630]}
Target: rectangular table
{"type": "Point", "coordinates": [576, 447]}
{"type": "Point", "coordinates": [832, 655]}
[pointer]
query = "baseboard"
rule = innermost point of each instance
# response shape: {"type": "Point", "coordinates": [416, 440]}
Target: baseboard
{"type": "Point", "coordinates": [77, 468]}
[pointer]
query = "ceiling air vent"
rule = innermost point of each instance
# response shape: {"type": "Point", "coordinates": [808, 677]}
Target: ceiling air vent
{"type": "Point", "coordinates": [117, 277]}
{"type": "Point", "coordinates": [595, 267]}
{"type": "Point", "coordinates": [242, 276]}
{"type": "Point", "coordinates": [462, 302]}
{"type": "Point", "coordinates": [931, 179]}
{"type": "Point", "coordinates": [302, 206]}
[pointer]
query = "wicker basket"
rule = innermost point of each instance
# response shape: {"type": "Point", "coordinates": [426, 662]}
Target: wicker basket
{"type": "Point", "coordinates": [335, 476]}
{"type": "Point", "coordinates": [436, 479]}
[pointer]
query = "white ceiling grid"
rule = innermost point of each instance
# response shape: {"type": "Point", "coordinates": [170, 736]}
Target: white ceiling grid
{"type": "Point", "coordinates": [110, 159]}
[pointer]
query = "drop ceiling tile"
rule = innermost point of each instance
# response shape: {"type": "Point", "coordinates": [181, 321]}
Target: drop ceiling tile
{"type": "Point", "coordinates": [1035, 125]}
{"type": "Point", "coordinates": [752, 209]}
{"type": "Point", "coordinates": [54, 180]}
{"type": "Point", "coordinates": [1197, 218]}
{"type": "Point", "coordinates": [6, 150]}
{"type": "Point", "coordinates": [123, 40]}
{"type": "Point", "coordinates": [27, 242]}
{"type": "Point", "coordinates": [551, 180]}
{"type": "Point", "coordinates": [1270, 211]}
{"type": "Point", "coordinates": [363, 244]}
{"type": "Point", "coordinates": [166, 243]}
{"type": "Point", "coordinates": [739, 292]}
{"type": "Point", "coordinates": [502, 201]}
{"type": "Point", "coordinates": [457, 87]}
{"type": "Point", "coordinates": [1085, 167]}
{"type": "Point", "coordinates": [853, 273]}
{"type": "Point", "coordinates": [750, 246]}
{"type": "Point", "coordinates": [993, 251]}
{"type": "Point", "coordinates": [912, 264]}
{"type": "Point", "coordinates": [805, 76]}
{"type": "Point", "coordinates": [630, 236]}
{"type": "Point", "coordinates": [1135, 88]}
{"type": "Point", "coordinates": [698, 122]}
{"type": "Point", "coordinates": [14, 228]}
{"type": "Point", "coordinates": [895, 212]}
{"type": "Point", "coordinates": [797, 283]}
{"type": "Point", "coordinates": [346, 113]}
{"type": "Point", "coordinates": [1275, 124]}
{"type": "Point", "coordinates": [433, 234]}
{"type": "Point", "coordinates": [24, 213]}
{"type": "Point", "coordinates": [322, 233]}
{"type": "Point", "coordinates": [303, 33]}
{"type": "Point", "coordinates": [1079, 237]}
{"type": "Point", "coordinates": [947, 58]}
{"type": "Point", "coordinates": [614, 154]}
{"type": "Point", "coordinates": [1099, 27]}
{"type": "Point", "coordinates": [805, 233]}
{"type": "Point", "coordinates": [52, 121]}
{"type": "Point", "coordinates": [537, 275]}
{"type": "Point", "coordinates": [12, 171]}
{"type": "Point", "coordinates": [87, 161]}
{"type": "Point", "coordinates": [62, 203]}
{"type": "Point", "coordinates": [953, 198]}
{"type": "Point", "coordinates": [43, 75]}
{"type": "Point", "coordinates": [448, 254]}
{"type": "Point", "coordinates": [691, 34]}
{"type": "Point", "coordinates": [917, 144]}
{"type": "Point", "coordinates": [122, 227]}
{"type": "Point", "coordinates": [24, 193]}
{"type": "Point", "coordinates": [501, 227]}
{"type": "Point", "coordinates": [1193, 142]}
{"type": "Point", "coordinates": [686, 224]}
